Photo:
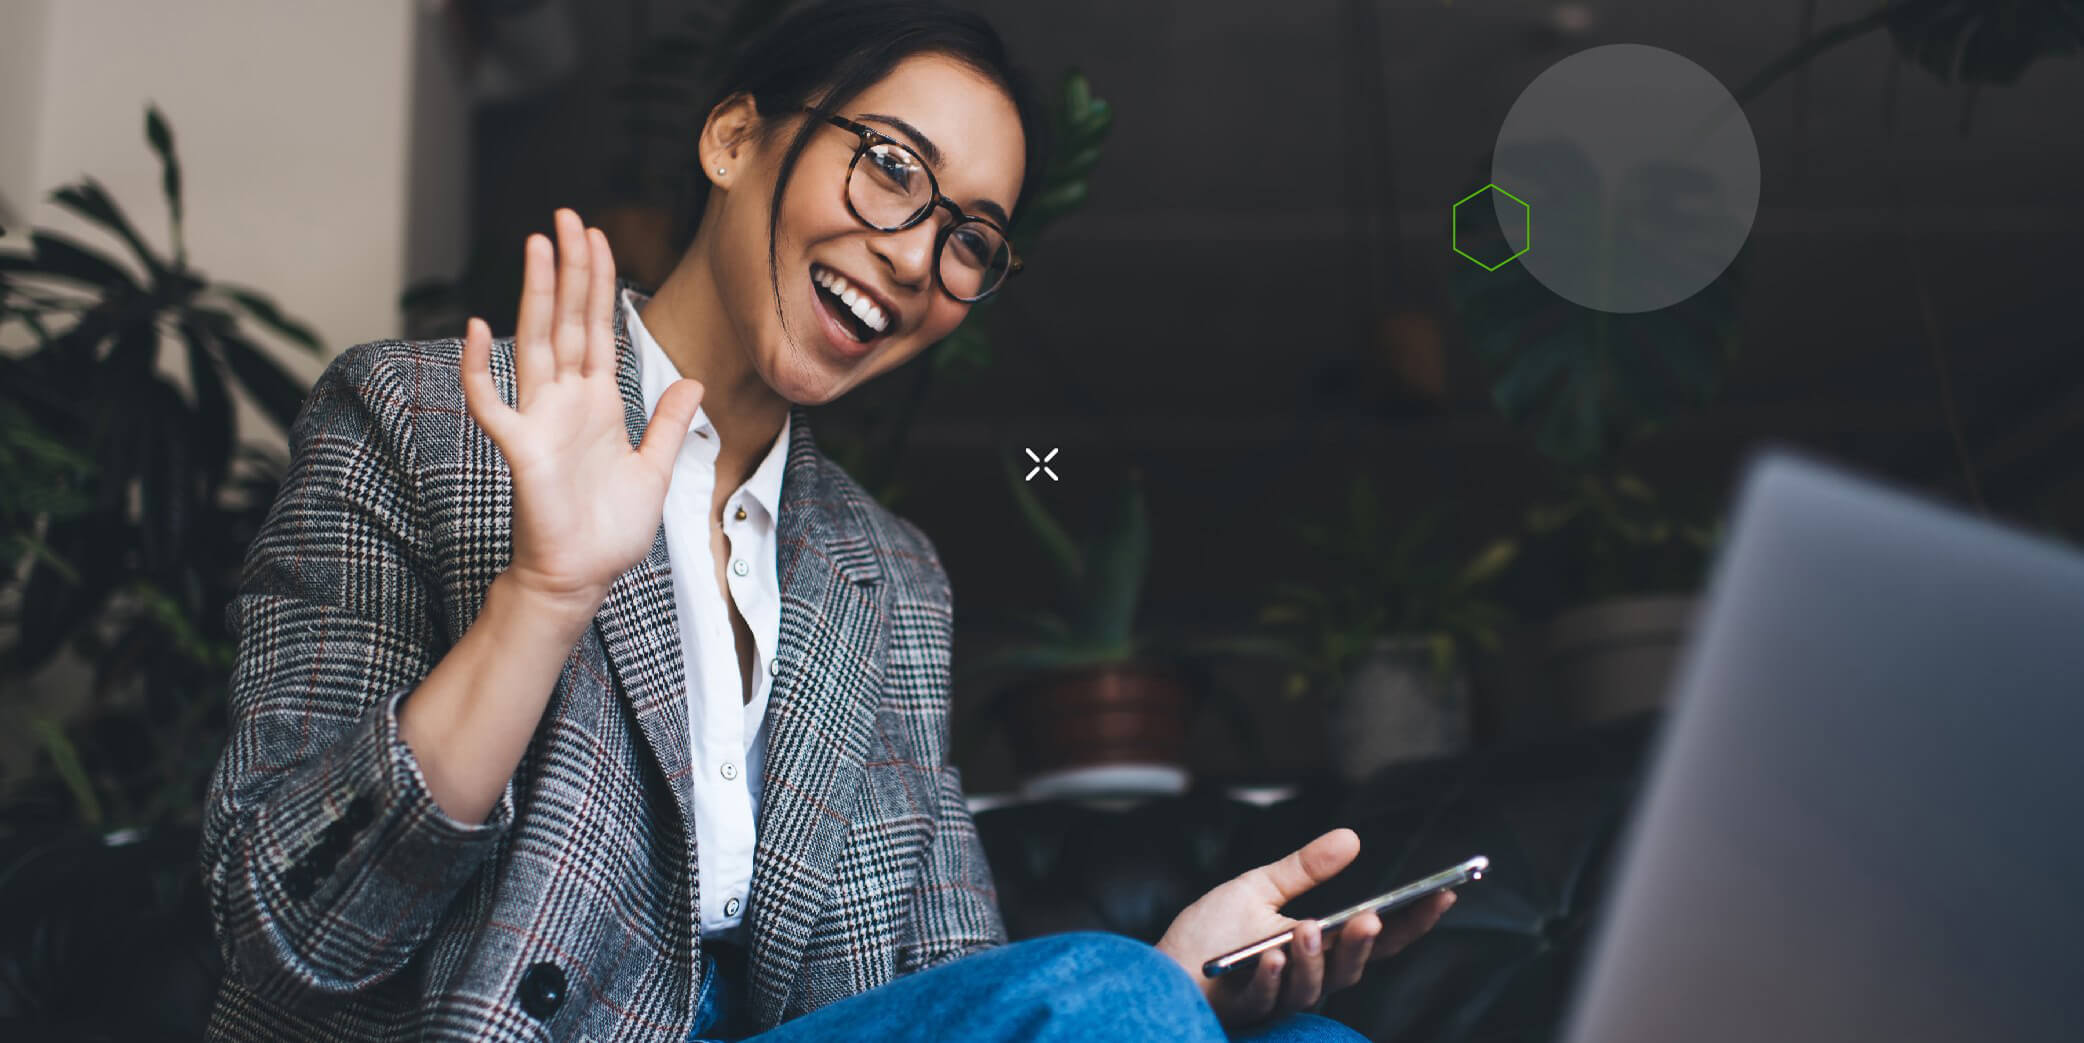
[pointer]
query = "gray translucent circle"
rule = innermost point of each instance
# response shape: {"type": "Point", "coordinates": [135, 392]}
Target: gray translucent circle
{"type": "Point", "coordinates": [1641, 171]}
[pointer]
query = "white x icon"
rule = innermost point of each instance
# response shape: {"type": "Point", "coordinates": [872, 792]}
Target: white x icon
{"type": "Point", "coordinates": [1041, 464]}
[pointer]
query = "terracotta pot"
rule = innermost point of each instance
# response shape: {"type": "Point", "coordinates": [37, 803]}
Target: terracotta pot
{"type": "Point", "coordinates": [1118, 714]}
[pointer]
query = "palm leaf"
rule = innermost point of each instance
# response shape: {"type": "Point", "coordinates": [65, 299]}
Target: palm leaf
{"type": "Point", "coordinates": [213, 404]}
{"type": "Point", "coordinates": [273, 389]}
{"type": "Point", "coordinates": [1056, 543]}
{"type": "Point", "coordinates": [89, 200]}
{"type": "Point", "coordinates": [264, 310]}
{"type": "Point", "coordinates": [1119, 563]}
{"type": "Point", "coordinates": [161, 138]}
{"type": "Point", "coordinates": [62, 258]}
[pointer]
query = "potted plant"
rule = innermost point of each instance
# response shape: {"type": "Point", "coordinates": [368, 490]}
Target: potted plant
{"type": "Point", "coordinates": [1092, 703]}
{"type": "Point", "coordinates": [1090, 709]}
{"type": "Point", "coordinates": [131, 501]}
{"type": "Point", "coordinates": [1634, 565]}
{"type": "Point", "coordinates": [1389, 632]}
{"type": "Point", "coordinates": [1588, 385]}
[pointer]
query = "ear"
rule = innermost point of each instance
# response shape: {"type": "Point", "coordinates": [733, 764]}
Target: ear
{"type": "Point", "coordinates": [727, 138]}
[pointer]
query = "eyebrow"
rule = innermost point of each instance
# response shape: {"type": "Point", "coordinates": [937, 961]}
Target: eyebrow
{"type": "Point", "coordinates": [934, 156]}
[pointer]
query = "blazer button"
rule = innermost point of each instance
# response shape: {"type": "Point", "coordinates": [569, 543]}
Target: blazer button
{"type": "Point", "coordinates": [542, 990]}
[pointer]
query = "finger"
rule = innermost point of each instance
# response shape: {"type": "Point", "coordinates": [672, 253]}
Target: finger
{"type": "Point", "coordinates": [574, 263]}
{"type": "Point", "coordinates": [1257, 999]}
{"type": "Point", "coordinates": [480, 394]}
{"type": "Point", "coordinates": [1312, 864]}
{"type": "Point", "coordinates": [1305, 980]}
{"type": "Point", "coordinates": [533, 360]}
{"type": "Point", "coordinates": [601, 305]}
{"type": "Point", "coordinates": [1409, 925]}
{"type": "Point", "coordinates": [1349, 951]}
{"type": "Point", "coordinates": [669, 423]}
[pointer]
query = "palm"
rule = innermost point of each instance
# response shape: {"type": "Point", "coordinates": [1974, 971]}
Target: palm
{"type": "Point", "coordinates": [1248, 908]}
{"type": "Point", "coordinates": [1236, 913]}
{"type": "Point", "coordinates": [586, 504]}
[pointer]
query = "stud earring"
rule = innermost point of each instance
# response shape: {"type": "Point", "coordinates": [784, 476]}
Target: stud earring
{"type": "Point", "coordinates": [719, 170]}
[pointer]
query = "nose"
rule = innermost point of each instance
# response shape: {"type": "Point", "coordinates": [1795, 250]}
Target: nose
{"type": "Point", "coordinates": [908, 254]}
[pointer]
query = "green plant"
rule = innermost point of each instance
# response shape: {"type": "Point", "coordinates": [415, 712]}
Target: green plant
{"type": "Point", "coordinates": [1096, 622]}
{"type": "Point", "coordinates": [1623, 538]}
{"type": "Point", "coordinates": [1387, 579]}
{"type": "Point", "coordinates": [46, 483]}
{"type": "Point", "coordinates": [130, 498]}
{"type": "Point", "coordinates": [1100, 585]}
{"type": "Point", "coordinates": [1079, 124]}
{"type": "Point", "coordinates": [1586, 384]}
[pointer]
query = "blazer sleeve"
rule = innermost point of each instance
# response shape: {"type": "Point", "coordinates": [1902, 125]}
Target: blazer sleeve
{"type": "Point", "coordinates": [327, 861]}
{"type": "Point", "coordinates": [955, 905]}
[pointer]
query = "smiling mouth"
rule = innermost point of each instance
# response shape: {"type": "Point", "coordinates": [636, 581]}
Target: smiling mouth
{"type": "Point", "coordinates": [856, 313]}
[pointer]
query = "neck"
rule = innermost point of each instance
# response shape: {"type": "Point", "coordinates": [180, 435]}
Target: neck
{"type": "Point", "coordinates": [687, 318]}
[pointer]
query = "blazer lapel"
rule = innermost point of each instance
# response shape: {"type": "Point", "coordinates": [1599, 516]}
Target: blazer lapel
{"type": "Point", "coordinates": [641, 632]}
{"type": "Point", "coordinates": [820, 715]}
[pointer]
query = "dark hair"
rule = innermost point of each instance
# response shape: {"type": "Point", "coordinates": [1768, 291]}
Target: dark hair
{"type": "Point", "coordinates": [823, 55]}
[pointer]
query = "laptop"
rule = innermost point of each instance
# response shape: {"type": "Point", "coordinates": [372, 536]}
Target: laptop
{"type": "Point", "coordinates": [1864, 817]}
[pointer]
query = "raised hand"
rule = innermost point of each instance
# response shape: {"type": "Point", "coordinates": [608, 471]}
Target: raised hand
{"type": "Point", "coordinates": [1293, 978]}
{"type": "Point", "coordinates": [586, 504]}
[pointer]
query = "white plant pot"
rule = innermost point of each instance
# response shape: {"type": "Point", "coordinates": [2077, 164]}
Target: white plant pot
{"type": "Point", "coordinates": [1395, 706]}
{"type": "Point", "coordinates": [1615, 658]}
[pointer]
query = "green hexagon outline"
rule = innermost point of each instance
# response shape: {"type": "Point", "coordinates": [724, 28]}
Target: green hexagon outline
{"type": "Point", "coordinates": [1455, 233]}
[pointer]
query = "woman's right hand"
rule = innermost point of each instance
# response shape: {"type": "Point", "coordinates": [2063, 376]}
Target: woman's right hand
{"type": "Point", "coordinates": [586, 504]}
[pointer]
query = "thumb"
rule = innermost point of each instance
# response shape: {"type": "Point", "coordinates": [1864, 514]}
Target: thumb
{"type": "Point", "coordinates": [1312, 864]}
{"type": "Point", "coordinates": [668, 427]}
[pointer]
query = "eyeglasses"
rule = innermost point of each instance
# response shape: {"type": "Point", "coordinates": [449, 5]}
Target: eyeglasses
{"type": "Point", "coordinates": [895, 190]}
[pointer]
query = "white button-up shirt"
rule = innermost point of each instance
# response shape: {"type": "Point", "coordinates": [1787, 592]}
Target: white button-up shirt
{"type": "Point", "coordinates": [727, 734]}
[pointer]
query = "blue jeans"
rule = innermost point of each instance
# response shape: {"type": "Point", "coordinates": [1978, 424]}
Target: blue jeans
{"type": "Point", "coordinates": [1082, 986]}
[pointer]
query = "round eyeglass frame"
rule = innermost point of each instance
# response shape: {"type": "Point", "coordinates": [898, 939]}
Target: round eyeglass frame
{"type": "Point", "coordinates": [869, 138]}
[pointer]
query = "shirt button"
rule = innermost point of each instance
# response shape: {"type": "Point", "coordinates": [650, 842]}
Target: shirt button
{"type": "Point", "coordinates": [773, 667]}
{"type": "Point", "coordinates": [741, 514]}
{"type": "Point", "coordinates": [729, 771]}
{"type": "Point", "coordinates": [740, 567]}
{"type": "Point", "coordinates": [731, 907]}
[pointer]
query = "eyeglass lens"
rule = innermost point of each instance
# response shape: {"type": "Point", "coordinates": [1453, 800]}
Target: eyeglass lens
{"type": "Point", "coordinates": [891, 189]}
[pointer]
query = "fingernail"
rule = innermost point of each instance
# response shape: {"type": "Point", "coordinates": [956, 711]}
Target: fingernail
{"type": "Point", "coordinates": [1312, 942]}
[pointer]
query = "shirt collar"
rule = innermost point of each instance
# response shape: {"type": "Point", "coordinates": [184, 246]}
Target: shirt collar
{"type": "Point", "coordinates": [657, 372]}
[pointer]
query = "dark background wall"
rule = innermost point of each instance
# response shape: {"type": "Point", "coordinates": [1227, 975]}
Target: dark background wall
{"type": "Point", "coordinates": [1210, 318]}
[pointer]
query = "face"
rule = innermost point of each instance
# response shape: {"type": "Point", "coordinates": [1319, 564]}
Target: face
{"type": "Point", "coordinates": [819, 355]}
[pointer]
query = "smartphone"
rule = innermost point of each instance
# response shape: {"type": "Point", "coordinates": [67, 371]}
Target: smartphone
{"type": "Point", "coordinates": [1451, 877]}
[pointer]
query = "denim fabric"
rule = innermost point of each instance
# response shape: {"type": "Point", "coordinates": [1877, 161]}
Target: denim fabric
{"type": "Point", "coordinates": [1081, 986]}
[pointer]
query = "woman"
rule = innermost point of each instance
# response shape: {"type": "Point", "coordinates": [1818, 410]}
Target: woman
{"type": "Point", "coordinates": [496, 765]}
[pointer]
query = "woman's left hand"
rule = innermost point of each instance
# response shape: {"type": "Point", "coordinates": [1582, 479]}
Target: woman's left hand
{"type": "Point", "coordinates": [1311, 966]}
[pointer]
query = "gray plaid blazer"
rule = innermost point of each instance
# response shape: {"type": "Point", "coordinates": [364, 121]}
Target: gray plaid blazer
{"type": "Point", "coordinates": [349, 907]}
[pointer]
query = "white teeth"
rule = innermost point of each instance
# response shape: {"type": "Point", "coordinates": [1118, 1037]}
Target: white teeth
{"type": "Point", "coordinates": [866, 311]}
{"type": "Point", "coordinates": [863, 307]}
